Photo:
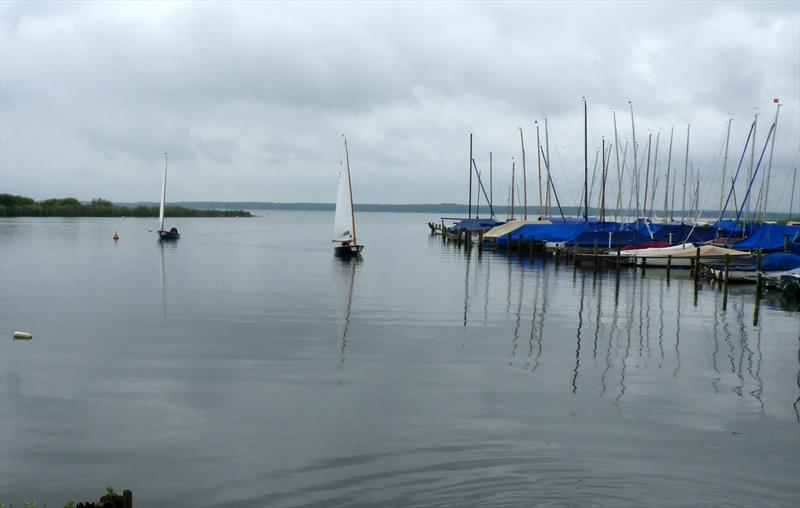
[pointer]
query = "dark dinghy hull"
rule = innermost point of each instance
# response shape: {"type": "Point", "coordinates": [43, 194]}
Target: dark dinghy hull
{"type": "Point", "coordinates": [348, 251]}
{"type": "Point", "coordinates": [172, 234]}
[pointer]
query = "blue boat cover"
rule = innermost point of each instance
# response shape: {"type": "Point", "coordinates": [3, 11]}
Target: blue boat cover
{"type": "Point", "coordinates": [683, 233]}
{"type": "Point", "coordinates": [779, 261]}
{"type": "Point", "coordinates": [474, 225]}
{"type": "Point", "coordinates": [770, 237]}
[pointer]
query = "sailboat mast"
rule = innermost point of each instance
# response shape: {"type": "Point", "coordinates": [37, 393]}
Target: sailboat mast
{"type": "Point", "coordinates": [163, 194]}
{"type": "Point", "coordinates": [539, 169]}
{"type": "Point", "coordinates": [524, 178]}
{"type": "Point", "coordinates": [791, 200]}
{"type": "Point", "coordinates": [585, 162]}
{"type": "Point", "coordinates": [547, 164]}
{"type": "Point", "coordinates": [350, 187]}
{"type": "Point", "coordinates": [724, 166]}
{"type": "Point", "coordinates": [647, 173]}
{"type": "Point", "coordinates": [619, 175]}
{"type": "Point", "coordinates": [635, 170]}
{"type": "Point", "coordinates": [685, 172]}
{"type": "Point", "coordinates": [512, 188]}
{"type": "Point", "coordinates": [752, 157]}
{"type": "Point", "coordinates": [491, 195]}
{"type": "Point", "coordinates": [469, 163]}
{"type": "Point", "coordinates": [669, 163]}
{"type": "Point", "coordinates": [655, 178]}
{"type": "Point", "coordinates": [771, 151]}
{"type": "Point", "coordinates": [603, 184]}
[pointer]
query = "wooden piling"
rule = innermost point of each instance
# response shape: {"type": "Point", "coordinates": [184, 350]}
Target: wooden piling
{"type": "Point", "coordinates": [696, 266]}
{"type": "Point", "coordinates": [725, 282]}
{"type": "Point", "coordinates": [644, 265]}
{"type": "Point", "coordinates": [480, 241]}
{"type": "Point", "coordinates": [619, 250]}
{"type": "Point", "coordinates": [669, 266]}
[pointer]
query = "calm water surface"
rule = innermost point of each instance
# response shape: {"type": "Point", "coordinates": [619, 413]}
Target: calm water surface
{"type": "Point", "coordinates": [245, 366]}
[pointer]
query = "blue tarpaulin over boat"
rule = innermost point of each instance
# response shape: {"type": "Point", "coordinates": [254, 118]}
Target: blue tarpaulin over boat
{"type": "Point", "coordinates": [770, 237]}
{"type": "Point", "coordinates": [611, 239]}
{"type": "Point", "coordinates": [683, 233]}
{"type": "Point", "coordinates": [474, 225]}
{"type": "Point", "coordinates": [779, 261]}
{"type": "Point", "coordinates": [559, 232]}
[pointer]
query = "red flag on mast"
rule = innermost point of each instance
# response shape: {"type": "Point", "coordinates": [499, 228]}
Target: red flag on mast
{"type": "Point", "coordinates": [775, 100]}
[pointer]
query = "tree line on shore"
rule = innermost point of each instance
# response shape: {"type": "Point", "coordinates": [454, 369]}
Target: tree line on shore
{"type": "Point", "coordinates": [21, 206]}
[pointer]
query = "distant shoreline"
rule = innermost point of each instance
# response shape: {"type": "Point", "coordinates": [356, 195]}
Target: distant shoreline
{"type": "Point", "coordinates": [21, 206]}
{"type": "Point", "coordinates": [437, 209]}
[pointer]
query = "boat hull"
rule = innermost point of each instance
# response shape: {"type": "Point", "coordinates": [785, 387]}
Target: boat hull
{"type": "Point", "coordinates": [348, 251]}
{"type": "Point", "coordinates": [168, 235]}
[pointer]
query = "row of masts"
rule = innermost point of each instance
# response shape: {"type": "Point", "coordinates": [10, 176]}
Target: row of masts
{"type": "Point", "coordinates": [643, 195]}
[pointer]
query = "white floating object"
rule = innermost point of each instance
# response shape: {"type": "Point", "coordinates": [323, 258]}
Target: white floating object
{"type": "Point", "coordinates": [23, 335]}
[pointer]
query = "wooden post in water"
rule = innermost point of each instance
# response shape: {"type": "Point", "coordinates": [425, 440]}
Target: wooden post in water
{"type": "Point", "coordinates": [785, 243]}
{"type": "Point", "coordinates": [480, 241]}
{"type": "Point", "coordinates": [725, 282]}
{"type": "Point", "coordinates": [619, 249]}
{"type": "Point", "coordinates": [530, 254]}
{"type": "Point", "coordinates": [669, 266]}
{"type": "Point", "coordinates": [644, 265]}
{"type": "Point", "coordinates": [696, 266]}
{"type": "Point", "coordinates": [595, 255]}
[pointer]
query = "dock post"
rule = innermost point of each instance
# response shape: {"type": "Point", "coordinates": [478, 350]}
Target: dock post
{"type": "Point", "coordinates": [696, 265]}
{"type": "Point", "coordinates": [619, 249]}
{"type": "Point", "coordinates": [480, 241]}
{"type": "Point", "coordinates": [785, 243]}
{"type": "Point", "coordinates": [530, 254]}
{"type": "Point", "coordinates": [669, 266]}
{"type": "Point", "coordinates": [725, 282]}
{"type": "Point", "coordinates": [644, 265]}
{"type": "Point", "coordinates": [758, 299]}
{"type": "Point", "coordinates": [468, 238]}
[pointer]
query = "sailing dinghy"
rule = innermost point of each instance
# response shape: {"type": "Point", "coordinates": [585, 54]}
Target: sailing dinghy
{"type": "Point", "coordinates": [344, 227]}
{"type": "Point", "coordinates": [163, 234]}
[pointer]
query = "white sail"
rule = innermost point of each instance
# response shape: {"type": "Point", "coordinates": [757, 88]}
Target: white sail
{"type": "Point", "coordinates": [343, 221]}
{"type": "Point", "coordinates": [163, 196]}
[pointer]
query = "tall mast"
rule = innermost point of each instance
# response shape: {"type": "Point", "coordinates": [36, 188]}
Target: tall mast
{"type": "Point", "coordinates": [669, 163]}
{"type": "Point", "coordinates": [491, 195]}
{"type": "Point", "coordinates": [585, 162]}
{"type": "Point", "coordinates": [163, 194]}
{"type": "Point", "coordinates": [512, 188]}
{"type": "Point", "coordinates": [619, 175]}
{"type": "Point", "coordinates": [685, 172]}
{"type": "Point", "coordinates": [655, 172]}
{"type": "Point", "coordinates": [791, 200]}
{"type": "Point", "coordinates": [647, 174]}
{"type": "Point", "coordinates": [771, 151]}
{"type": "Point", "coordinates": [635, 170]}
{"type": "Point", "coordinates": [752, 157]}
{"type": "Point", "coordinates": [603, 184]}
{"type": "Point", "coordinates": [547, 164]}
{"type": "Point", "coordinates": [524, 178]}
{"type": "Point", "coordinates": [724, 166]}
{"type": "Point", "coordinates": [469, 207]}
{"type": "Point", "coordinates": [350, 187]}
{"type": "Point", "coordinates": [539, 169]}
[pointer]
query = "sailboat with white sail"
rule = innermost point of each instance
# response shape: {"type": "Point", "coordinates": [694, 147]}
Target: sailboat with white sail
{"type": "Point", "coordinates": [163, 234]}
{"type": "Point", "coordinates": [344, 227]}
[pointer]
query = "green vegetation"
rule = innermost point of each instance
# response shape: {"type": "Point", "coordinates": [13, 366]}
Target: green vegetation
{"type": "Point", "coordinates": [21, 206]}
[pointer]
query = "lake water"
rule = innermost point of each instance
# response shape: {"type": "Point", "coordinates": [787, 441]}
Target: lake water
{"type": "Point", "coordinates": [244, 366]}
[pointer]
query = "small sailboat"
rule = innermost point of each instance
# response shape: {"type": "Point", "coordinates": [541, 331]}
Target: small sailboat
{"type": "Point", "coordinates": [344, 227]}
{"type": "Point", "coordinates": [163, 234]}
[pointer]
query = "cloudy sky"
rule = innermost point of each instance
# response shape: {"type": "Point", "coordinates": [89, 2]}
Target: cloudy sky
{"type": "Point", "coordinates": [251, 99]}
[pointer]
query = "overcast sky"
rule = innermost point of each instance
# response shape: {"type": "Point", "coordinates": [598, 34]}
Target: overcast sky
{"type": "Point", "coordinates": [251, 99]}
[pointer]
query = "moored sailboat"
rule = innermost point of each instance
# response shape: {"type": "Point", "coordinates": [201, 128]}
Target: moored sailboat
{"type": "Point", "coordinates": [163, 234]}
{"type": "Point", "coordinates": [344, 227]}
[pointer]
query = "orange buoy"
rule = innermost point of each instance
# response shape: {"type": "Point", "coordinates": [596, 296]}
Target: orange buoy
{"type": "Point", "coordinates": [116, 236]}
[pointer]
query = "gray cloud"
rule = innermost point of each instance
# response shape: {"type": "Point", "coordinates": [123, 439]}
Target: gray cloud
{"type": "Point", "coordinates": [250, 99]}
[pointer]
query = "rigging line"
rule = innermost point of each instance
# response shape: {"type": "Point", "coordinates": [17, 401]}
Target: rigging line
{"type": "Point", "coordinates": [755, 172]}
{"type": "Point", "coordinates": [552, 184]}
{"type": "Point", "coordinates": [736, 175]}
{"type": "Point", "coordinates": [482, 188]}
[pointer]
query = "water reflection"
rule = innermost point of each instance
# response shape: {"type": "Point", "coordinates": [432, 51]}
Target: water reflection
{"type": "Point", "coordinates": [344, 282]}
{"type": "Point", "coordinates": [628, 328]}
